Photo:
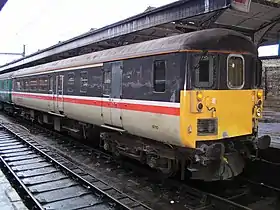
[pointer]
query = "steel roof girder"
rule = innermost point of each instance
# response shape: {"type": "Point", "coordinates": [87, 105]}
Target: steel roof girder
{"type": "Point", "coordinates": [212, 19]}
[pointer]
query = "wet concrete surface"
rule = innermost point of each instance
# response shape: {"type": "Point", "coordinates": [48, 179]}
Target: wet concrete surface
{"type": "Point", "coordinates": [272, 129]}
{"type": "Point", "coordinates": [270, 158]}
{"type": "Point", "coordinates": [270, 125]}
{"type": "Point", "coordinates": [270, 116]}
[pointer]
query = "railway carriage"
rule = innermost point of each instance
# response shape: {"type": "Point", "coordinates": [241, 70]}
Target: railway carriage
{"type": "Point", "coordinates": [189, 102]}
{"type": "Point", "coordinates": [5, 90]}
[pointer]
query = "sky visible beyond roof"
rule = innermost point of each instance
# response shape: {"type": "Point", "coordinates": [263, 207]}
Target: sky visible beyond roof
{"type": "Point", "coordinates": [42, 23]}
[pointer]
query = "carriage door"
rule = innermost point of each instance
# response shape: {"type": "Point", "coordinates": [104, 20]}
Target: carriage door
{"type": "Point", "coordinates": [112, 91]}
{"type": "Point", "coordinates": [51, 94]}
{"type": "Point", "coordinates": [58, 102]}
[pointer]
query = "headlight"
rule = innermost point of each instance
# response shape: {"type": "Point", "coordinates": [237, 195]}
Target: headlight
{"type": "Point", "coordinates": [199, 96]}
{"type": "Point", "coordinates": [259, 94]}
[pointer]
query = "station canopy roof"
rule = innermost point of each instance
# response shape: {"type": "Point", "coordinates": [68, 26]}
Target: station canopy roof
{"type": "Point", "coordinates": [258, 19]}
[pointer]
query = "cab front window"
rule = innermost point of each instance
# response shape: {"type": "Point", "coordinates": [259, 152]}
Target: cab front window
{"type": "Point", "coordinates": [235, 72]}
{"type": "Point", "coordinates": [204, 67]}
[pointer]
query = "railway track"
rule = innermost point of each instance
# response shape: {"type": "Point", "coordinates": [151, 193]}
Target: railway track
{"type": "Point", "coordinates": [247, 195]}
{"type": "Point", "coordinates": [44, 183]}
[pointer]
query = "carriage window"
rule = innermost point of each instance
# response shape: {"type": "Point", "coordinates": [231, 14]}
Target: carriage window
{"type": "Point", "coordinates": [107, 77]}
{"type": "Point", "coordinates": [43, 84]}
{"type": "Point", "coordinates": [71, 82]}
{"type": "Point", "coordinates": [159, 76]}
{"type": "Point", "coordinates": [33, 84]}
{"type": "Point", "coordinates": [204, 70]}
{"type": "Point", "coordinates": [50, 83]}
{"type": "Point", "coordinates": [18, 87]}
{"type": "Point", "coordinates": [26, 85]}
{"type": "Point", "coordinates": [106, 83]}
{"type": "Point", "coordinates": [22, 84]}
{"type": "Point", "coordinates": [84, 81]}
{"type": "Point", "coordinates": [71, 78]}
{"type": "Point", "coordinates": [235, 74]}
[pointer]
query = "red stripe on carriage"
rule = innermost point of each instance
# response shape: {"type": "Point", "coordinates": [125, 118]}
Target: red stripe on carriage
{"type": "Point", "coordinates": [119, 105]}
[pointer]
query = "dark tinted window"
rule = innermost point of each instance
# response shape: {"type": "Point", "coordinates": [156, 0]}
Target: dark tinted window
{"type": "Point", "coordinates": [17, 85]}
{"type": "Point", "coordinates": [71, 78]}
{"type": "Point", "coordinates": [107, 76]}
{"type": "Point", "coordinates": [159, 76]}
{"type": "Point", "coordinates": [43, 83]}
{"type": "Point", "coordinates": [204, 70]}
{"type": "Point", "coordinates": [84, 81]}
{"type": "Point", "coordinates": [71, 82]}
{"type": "Point", "coordinates": [51, 84]}
{"type": "Point", "coordinates": [33, 84]}
{"type": "Point", "coordinates": [26, 84]}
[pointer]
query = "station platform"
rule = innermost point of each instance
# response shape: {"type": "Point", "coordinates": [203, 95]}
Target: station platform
{"type": "Point", "coordinates": [270, 125]}
{"type": "Point", "coordinates": [270, 116]}
{"type": "Point", "coordinates": [9, 198]}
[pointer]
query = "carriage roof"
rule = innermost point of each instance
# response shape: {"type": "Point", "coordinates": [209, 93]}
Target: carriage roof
{"type": "Point", "coordinates": [210, 39]}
